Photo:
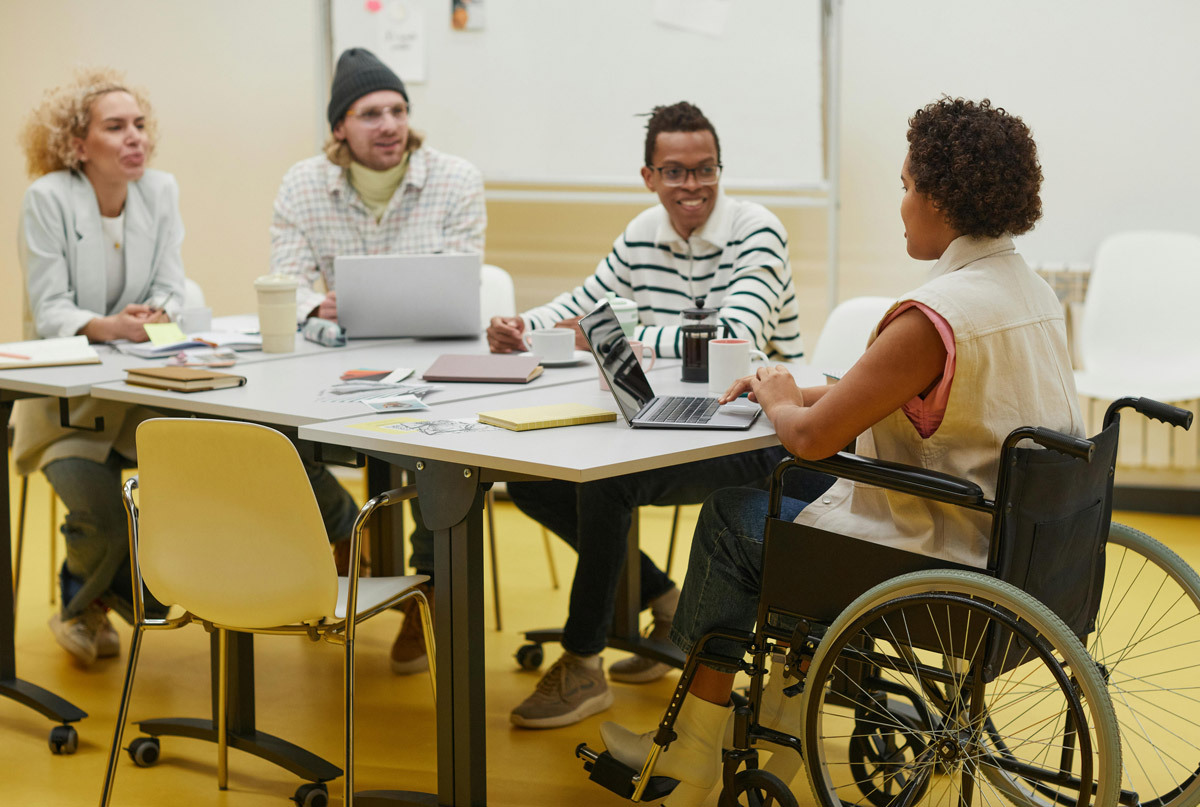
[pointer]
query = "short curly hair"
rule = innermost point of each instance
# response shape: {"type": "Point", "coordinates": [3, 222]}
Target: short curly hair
{"type": "Point", "coordinates": [65, 113]}
{"type": "Point", "coordinates": [978, 164]}
{"type": "Point", "coordinates": [680, 117]}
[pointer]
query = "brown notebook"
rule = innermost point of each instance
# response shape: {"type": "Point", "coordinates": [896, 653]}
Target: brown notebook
{"type": "Point", "coordinates": [500, 368]}
{"type": "Point", "coordinates": [182, 379]}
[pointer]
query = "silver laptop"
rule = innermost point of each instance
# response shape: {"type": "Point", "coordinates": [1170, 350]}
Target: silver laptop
{"type": "Point", "coordinates": [408, 295]}
{"type": "Point", "coordinates": [639, 405]}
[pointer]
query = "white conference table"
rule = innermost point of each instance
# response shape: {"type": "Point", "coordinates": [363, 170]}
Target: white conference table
{"type": "Point", "coordinates": [282, 391]}
{"type": "Point", "coordinates": [449, 469]}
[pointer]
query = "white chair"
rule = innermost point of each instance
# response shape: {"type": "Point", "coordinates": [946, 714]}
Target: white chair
{"type": "Point", "coordinates": [1140, 334]}
{"type": "Point", "coordinates": [245, 550]}
{"type": "Point", "coordinates": [497, 295]}
{"type": "Point", "coordinates": [847, 329]}
{"type": "Point", "coordinates": [193, 295]}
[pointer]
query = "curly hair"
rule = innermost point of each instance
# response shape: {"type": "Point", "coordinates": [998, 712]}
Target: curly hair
{"type": "Point", "coordinates": [978, 164]}
{"type": "Point", "coordinates": [65, 113]}
{"type": "Point", "coordinates": [681, 117]}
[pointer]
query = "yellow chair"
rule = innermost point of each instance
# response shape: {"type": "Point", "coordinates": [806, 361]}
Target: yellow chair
{"type": "Point", "coordinates": [225, 526]}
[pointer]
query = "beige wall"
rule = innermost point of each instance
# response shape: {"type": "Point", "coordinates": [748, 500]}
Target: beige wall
{"type": "Point", "coordinates": [237, 89]}
{"type": "Point", "coordinates": [233, 84]}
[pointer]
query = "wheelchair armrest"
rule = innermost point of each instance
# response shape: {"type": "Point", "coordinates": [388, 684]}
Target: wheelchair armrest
{"type": "Point", "coordinates": [891, 475]}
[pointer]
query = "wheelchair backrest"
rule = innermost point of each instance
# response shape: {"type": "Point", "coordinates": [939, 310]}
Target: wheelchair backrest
{"type": "Point", "coordinates": [1051, 527]}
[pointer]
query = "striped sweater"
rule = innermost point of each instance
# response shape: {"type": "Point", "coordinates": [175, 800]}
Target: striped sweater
{"type": "Point", "coordinates": [737, 262]}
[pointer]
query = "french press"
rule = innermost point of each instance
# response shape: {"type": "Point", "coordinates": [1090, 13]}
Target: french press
{"type": "Point", "coordinates": [698, 325]}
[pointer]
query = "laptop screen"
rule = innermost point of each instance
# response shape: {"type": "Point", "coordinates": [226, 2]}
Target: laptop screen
{"type": "Point", "coordinates": [617, 362]}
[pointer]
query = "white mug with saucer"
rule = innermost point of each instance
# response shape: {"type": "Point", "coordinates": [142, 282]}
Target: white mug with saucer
{"type": "Point", "coordinates": [551, 344]}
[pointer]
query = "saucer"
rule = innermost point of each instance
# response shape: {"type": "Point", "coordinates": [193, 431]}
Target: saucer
{"type": "Point", "coordinates": [579, 356]}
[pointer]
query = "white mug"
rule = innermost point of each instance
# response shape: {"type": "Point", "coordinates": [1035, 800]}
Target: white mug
{"type": "Point", "coordinates": [551, 344]}
{"type": "Point", "coordinates": [729, 360]}
{"type": "Point", "coordinates": [642, 352]}
{"type": "Point", "coordinates": [195, 320]}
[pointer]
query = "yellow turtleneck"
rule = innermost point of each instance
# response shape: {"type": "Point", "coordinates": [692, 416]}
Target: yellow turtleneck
{"type": "Point", "coordinates": [376, 188]}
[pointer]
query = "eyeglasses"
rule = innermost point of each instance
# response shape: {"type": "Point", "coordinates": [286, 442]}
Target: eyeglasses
{"type": "Point", "coordinates": [373, 116]}
{"type": "Point", "coordinates": [675, 175]}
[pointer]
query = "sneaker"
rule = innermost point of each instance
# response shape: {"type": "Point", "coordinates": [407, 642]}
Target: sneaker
{"type": "Point", "coordinates": [569, 691]}
{"type": "Point", "coordinates": [78, 636]}
{"type": "Point", "coordinates": [640, 669]}
{"type": "Point", "coordinates": [108, 641]}
{"type": "Point", "coordinates": [408, 651]}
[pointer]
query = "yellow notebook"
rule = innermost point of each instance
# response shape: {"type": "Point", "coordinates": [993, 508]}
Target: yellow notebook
{"type": "Point", "coordinates": [546, 417]}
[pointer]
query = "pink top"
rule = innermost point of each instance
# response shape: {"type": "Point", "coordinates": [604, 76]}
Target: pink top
{"type": "Point", "coordinates": [926, 412]}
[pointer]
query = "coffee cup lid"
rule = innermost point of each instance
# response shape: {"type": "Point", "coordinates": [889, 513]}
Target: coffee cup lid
{"type": "Point", "coordinates": [275, 282]}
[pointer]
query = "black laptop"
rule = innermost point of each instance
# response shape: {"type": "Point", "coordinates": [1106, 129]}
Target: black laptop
{"type": "Point", "coordinates": [639, 405]}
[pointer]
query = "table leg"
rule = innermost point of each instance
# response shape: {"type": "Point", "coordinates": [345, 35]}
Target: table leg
{"type": "Point", "coordinates": [385, 533]}
{"type": "Point", "coordinates": [22, 692]}
{"type": "Point", "coordinates": [452, 506]}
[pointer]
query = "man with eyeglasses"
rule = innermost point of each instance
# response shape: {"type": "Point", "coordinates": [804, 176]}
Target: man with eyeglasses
{"type": "Point", "coordinates": [696, 244]}
{"type": "Point", "coordinates": [376, 190]}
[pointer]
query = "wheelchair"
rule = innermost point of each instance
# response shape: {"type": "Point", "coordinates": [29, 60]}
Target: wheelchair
{"type": "Point", "coordinates": [919, 681]}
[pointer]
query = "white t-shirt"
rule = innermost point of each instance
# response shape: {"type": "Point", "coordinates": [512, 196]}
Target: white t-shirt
{"type": "Point", "coordinates": [114, 261]}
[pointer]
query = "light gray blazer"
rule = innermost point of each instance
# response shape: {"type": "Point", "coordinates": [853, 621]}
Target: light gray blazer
{"type": "Point", "coordinates": [62, 251]}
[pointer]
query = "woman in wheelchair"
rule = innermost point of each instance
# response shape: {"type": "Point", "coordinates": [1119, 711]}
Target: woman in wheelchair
{"type": "Point", "coordinates": [955, 366]}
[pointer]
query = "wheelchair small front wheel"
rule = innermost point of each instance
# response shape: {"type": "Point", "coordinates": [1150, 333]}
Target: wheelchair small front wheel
{"type": "Point", "coordinates": [754, 787]}
{"type": "Point", "coordinates": [999, 680]}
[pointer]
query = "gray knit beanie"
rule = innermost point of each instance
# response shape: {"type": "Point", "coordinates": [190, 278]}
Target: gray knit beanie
{"type": "Point", "coordinates": [358, 73]}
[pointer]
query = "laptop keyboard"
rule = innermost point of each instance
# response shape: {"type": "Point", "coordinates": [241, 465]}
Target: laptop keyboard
{"type": "Point", "coordinates": [682, 409]}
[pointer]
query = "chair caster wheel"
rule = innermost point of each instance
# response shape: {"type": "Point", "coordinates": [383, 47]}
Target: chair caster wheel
{"type": "Point", "coordinates": [144, 751]}
{"type": "Point", "coordinates": [530, 656]}
{"type": "Point", "coordinates": [313, 794]}
{"type": "Point", "coordinates": [64, 740]}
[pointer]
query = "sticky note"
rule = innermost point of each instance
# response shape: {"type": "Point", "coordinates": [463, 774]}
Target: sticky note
{"type": "Point", "coordinates": [164, 333]}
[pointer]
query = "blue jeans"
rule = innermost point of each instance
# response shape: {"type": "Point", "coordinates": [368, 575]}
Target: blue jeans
{"type": "Point", "coordinates": [97, 536]}
{"type": "Point", "coordinates": [338, 511]}
{"type": "Point", "coordinates": [725, 570]}
{"type": "Point", "coordinates": [594, 518]}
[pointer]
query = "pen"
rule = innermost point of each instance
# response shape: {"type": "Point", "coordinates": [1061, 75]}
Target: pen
{"type": "Point", "coordinates": [14, 356]}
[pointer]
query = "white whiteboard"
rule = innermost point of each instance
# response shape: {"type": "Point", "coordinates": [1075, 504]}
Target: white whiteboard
{"type": "Point", "coordinates": [549, 92]}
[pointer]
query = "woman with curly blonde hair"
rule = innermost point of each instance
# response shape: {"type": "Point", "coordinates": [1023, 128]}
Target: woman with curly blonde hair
{"type": "Point", "coordinates": [100, 245]}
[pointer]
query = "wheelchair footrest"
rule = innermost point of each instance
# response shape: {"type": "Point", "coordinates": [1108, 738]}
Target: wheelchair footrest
{"type": "Point", "coordinates": [618, 777]}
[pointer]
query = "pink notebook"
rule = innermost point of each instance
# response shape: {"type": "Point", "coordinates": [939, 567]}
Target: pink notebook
{"type": "Point", "coordinates": [499, 368]}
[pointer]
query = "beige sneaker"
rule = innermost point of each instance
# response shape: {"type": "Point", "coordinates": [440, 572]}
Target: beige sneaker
{"type": "Point", "coordinates": [640, 669]}
{"type": "Point", "coordinates": [570, 691]}
{"type": "Point", "coordinates": [108, 641]}
{"type": "Point", "coordinates": [408, 651]}
{"type": "Point", "coordinates": [77, 636]}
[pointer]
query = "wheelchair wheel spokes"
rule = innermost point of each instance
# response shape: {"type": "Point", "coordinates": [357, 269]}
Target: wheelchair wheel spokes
{"type": "Point", "coordinates": [1147, 639]}
{"type": "Point", "coordinates": [991, 719]}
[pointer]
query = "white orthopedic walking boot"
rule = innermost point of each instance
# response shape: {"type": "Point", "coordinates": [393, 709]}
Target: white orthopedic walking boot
{"type": "Point", "coordinates": [694, 758]}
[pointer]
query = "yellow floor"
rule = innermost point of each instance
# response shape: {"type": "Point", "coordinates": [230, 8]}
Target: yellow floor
{"type": "Point", "coordinates": [298, 694]}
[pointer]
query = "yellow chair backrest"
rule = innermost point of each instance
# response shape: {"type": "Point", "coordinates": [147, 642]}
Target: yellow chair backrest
{"type": "Point", "coordinates": [229, 528]}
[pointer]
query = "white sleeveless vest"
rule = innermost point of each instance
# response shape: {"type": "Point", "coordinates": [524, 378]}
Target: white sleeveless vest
{"type": "Point", "coordinates": [1012, 369]}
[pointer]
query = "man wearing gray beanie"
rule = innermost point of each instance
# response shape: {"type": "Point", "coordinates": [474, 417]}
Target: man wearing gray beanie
{"type": "Point", "coordinates": [376, 190]}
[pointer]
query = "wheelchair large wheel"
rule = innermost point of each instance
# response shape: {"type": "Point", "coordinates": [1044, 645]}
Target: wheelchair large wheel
{"type": "Point", "coordinates": [1033, 708]}
{"type": "Point", "coordinates": [1147, 640]}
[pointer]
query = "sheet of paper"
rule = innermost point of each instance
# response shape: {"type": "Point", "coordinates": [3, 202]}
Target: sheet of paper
{"type": "Point", "coordinates": [430, 427]}
{"type": "Point", "coordinates": [709, 17]}
{"type": "Point", "coordinates": [397, 375]}
{"type": "Point", "coordinates": [164, 333]}
{"type": "Point", "coordinates": [395, 403]}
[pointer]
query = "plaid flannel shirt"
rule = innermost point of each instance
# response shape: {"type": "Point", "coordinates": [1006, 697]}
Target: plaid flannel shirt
{"type": "Point", "coordinates": [319, 216]}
